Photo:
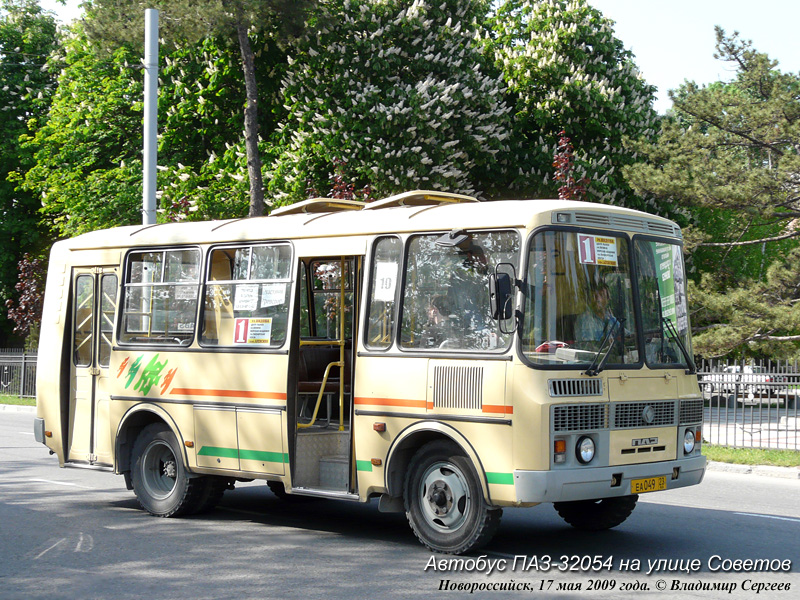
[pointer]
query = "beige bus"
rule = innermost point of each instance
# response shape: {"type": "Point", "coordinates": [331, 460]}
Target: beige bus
{"type": "Point", "coordinates": [446, 356]}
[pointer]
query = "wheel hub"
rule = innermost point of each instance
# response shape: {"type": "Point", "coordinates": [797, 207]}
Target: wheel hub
{"type": "Point", "coordinates": [445, 498]}
{"type": "Point", "coordinates": [170, 469]}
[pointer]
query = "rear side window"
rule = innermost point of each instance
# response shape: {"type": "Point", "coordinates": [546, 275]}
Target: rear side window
{"type": "Point", "coordinates": [247, 296]}
{"type": "Point", "coordinates": [161, 290]}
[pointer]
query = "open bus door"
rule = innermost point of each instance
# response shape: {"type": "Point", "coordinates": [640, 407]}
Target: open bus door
{"type": "Point", "coordinates": [94, 302]}
{"type": "Point", "coordinates": [323, 354]}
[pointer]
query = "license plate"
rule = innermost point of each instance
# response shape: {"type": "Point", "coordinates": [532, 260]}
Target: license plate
{"type": "Point", "coordinates": [648, 484]}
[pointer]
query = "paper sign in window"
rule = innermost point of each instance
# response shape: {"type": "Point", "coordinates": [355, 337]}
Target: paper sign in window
{"type": "Point", "coordinates": [597, 250]}
{"type": "Point", "coordinates": [385, 281]}
{"type": "Point", "coordinates": [246, 297]}
{"type": "Point", "coordinates": [252, 331]}
{"type": "Point", "coordinates": [272, 294]}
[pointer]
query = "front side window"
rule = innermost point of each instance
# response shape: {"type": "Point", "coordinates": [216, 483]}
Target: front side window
{"type": "Point", "coordinates": [662, 290]}
{"type": "Point", "coordinates": [578, 301]}
{"type": "Point", "coordinates": [386, 260]}
{"type": "Point", "coordinates": [161, 291]}
{"type": "Point", "coordinates": [446, 302]}
{"type": "Point", "coordinates": [247, 296]}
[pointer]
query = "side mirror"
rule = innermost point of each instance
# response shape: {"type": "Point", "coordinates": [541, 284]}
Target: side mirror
{"type": "Point", "coordinates": [501, 295]}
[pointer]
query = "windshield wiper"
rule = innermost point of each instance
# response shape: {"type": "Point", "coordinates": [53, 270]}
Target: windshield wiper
{"type": "Point", "coordinates": [595, 367]}
{"type": "Point", "coordinates": [669, 326]}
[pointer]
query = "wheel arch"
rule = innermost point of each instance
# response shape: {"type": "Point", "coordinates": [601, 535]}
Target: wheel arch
{"type": "Point", "coordinates": [412, 438]}
{"type": "Point", "coordinates": [133, 421]}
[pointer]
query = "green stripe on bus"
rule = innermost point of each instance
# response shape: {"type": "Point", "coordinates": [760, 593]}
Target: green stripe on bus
{"type": "Point", "coordinates": [364, 465]}
{"type": "Point", "coordinates": [276, 457]}
{"type": "Point", "coordinates": [221, 452]}
{"type": "Point", "coordinates": [500, 478]}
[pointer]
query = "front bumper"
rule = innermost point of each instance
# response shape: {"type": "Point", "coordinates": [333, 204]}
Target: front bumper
{"type": "Point", "coordinates": [593, 483]}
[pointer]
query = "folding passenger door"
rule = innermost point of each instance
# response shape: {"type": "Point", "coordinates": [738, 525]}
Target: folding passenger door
{"type": "Point", "coordinates": [94, 302]}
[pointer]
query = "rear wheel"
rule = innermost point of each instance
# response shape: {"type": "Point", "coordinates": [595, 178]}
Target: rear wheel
{"type": "Point", "coordinates": [444, 501]}
{"type": "Point", "coordinates": [597, 515]}
{"type": "Point", "coordinates": [160, 480]}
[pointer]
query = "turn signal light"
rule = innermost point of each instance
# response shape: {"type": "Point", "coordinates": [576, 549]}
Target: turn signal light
{"type": "Point", "coordinates": [698, 435]}
{"type": "Point", "coordinates": [379, 427]}
{"type": "Point", "coordinates": [376, 462]}
{"type": "Point", "coordinates": [188, 443]}
{"type": "Point", "coordinates": [560, 451]}
{"type": "Point", "coordinates": [48, 434]}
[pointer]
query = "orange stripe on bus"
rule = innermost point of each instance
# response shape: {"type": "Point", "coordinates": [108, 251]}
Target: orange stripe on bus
{"type": "Point", "coordinates": [503, 410]}
{"type": "Point", "coordinates": [229, 393]}
{"type": "Point", "coordinates": [392, 402]}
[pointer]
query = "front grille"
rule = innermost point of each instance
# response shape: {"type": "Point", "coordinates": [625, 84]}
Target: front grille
{"type": "Point", "coordinates": [567, 388]}
{"type": "Point", "coordinates": [691, 411]}
{"type": "Point", "coordinates": [580, 417]}
{"type": "Point", "coordinates": [631, 414]}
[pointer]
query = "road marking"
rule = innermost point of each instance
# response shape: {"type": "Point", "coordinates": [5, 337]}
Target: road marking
{"type": "Point", "coordinates": [41, 554]}
{"type": "Point", "coordinates": [793, 520]}
{"type": "Point", "coordinates": [61, 483]}
{"type": "Point", "coordinates": [25, 432]}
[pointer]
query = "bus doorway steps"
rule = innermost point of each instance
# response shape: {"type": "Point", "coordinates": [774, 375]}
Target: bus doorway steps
{"type": "Point", "coordinates": [322, 459]}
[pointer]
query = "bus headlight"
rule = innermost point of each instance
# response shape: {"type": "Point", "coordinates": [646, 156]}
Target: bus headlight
{"type": "Point", "coordinates": [688, 442]}
{"type": "Point", "coordinates": [585, 450]}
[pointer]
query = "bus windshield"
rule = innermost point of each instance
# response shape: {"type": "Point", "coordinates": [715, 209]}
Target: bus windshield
{"type": "Point", "coordinates": [579, 304]}
{"type": "Point", "coordinates": [579, 307]}
{"type": "Point", "coordinates": [662, 290]}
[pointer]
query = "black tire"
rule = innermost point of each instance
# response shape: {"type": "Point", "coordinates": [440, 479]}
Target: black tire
{"type": "Point", "coordinates": [597, 515]}
{"type": "Point", "coordinates": [213, 488]}
{"type": "Point", "coordinates": [444, 501]}
{"type": "Point", "coordinates": [160, 480]}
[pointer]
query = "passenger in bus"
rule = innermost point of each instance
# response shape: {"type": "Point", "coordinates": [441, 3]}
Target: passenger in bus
{"type": "Point", "coordinates": [439, 327]}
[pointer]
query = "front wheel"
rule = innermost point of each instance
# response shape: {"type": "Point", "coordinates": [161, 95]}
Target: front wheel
{"type": "Point", "coordinates": [597, 515]}
{"type": "Point", "coordinates": [160, 480]}
{"type": "Point", "coordinates": [444, 501]}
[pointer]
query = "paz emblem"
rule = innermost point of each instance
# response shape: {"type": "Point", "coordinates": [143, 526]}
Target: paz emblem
{"type": "Point", "coordinates": [648, 414]}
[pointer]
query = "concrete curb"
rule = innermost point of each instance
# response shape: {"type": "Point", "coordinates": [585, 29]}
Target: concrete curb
{"type": "Point", "coordinates": [762, 470]}
{"type": "Point", "coordinates": [17, 408]}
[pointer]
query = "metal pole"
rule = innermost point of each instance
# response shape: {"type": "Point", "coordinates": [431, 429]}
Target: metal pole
{"type": "Point", "coordinates": [150, 115]}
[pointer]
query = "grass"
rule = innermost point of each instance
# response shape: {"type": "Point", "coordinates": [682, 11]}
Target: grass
{"type": "Point", "coordinates": [752, 456]}
{"type": "Point", "coordinates": [6, 399]}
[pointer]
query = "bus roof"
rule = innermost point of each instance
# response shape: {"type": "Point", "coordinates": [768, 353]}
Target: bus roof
{"type": "Point", "coordinates": [392, 218]}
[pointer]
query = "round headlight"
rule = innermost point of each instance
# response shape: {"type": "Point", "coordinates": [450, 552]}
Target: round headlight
{"type": "Point", "coordinates": [688, 442]}
{"type": "Point", "coordinates": [585, 450]}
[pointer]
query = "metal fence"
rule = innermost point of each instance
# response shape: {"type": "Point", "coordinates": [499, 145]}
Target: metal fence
{"type": "Point", "coordinates": [750, 404]}
{"type": "Point", "coordinates": [746, 404]}
{"type": "Point", "coordinates": [17, 373]}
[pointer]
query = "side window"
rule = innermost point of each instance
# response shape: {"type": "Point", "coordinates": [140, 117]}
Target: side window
{"type": "Point", "coordinates": [386, 261]}
{"type": "Point", "coordinates": [108, 308]}
{"type": "Point", "coordinates": [247, 296]}
{"type": "Point", "coordinates": [84, 321]}
{"type": "Point", "coordinates": [160, 304]}
{"type": "Point", "coordinates": [326, 291]}
{"type": "Point", "coordinates": [446, 296]}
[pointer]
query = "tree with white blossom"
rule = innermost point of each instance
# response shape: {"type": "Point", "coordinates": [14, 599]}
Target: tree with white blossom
{"type": "Point", "coordinates": [566, 71]}
{"type": "Point", "coordinates": [400, 93]}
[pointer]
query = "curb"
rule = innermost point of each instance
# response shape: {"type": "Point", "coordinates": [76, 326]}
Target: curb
{"type": "Point", "coordinates": [17, 408]}
{"type": "Point", "coordinates": [762, 470]}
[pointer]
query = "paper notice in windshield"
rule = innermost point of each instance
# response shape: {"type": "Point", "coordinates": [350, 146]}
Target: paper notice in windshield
{"type": "Point", "coordinates": [597, 250]}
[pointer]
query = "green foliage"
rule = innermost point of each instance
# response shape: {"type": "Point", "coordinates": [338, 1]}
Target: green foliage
{"type": "Point", "coordinates": [399, 92]}
{"type": "Point", "coordinates": [27, 37]}
{"type": "Point", "coordinates": [565, 71]}
{"type": "Point", "coordinates": [87, 153]}
{"type": "Point", "coordinates": [732, 152]}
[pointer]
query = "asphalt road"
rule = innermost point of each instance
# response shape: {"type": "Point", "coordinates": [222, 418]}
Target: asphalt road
{"type": "Point", "coordinates": [75, 533]}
